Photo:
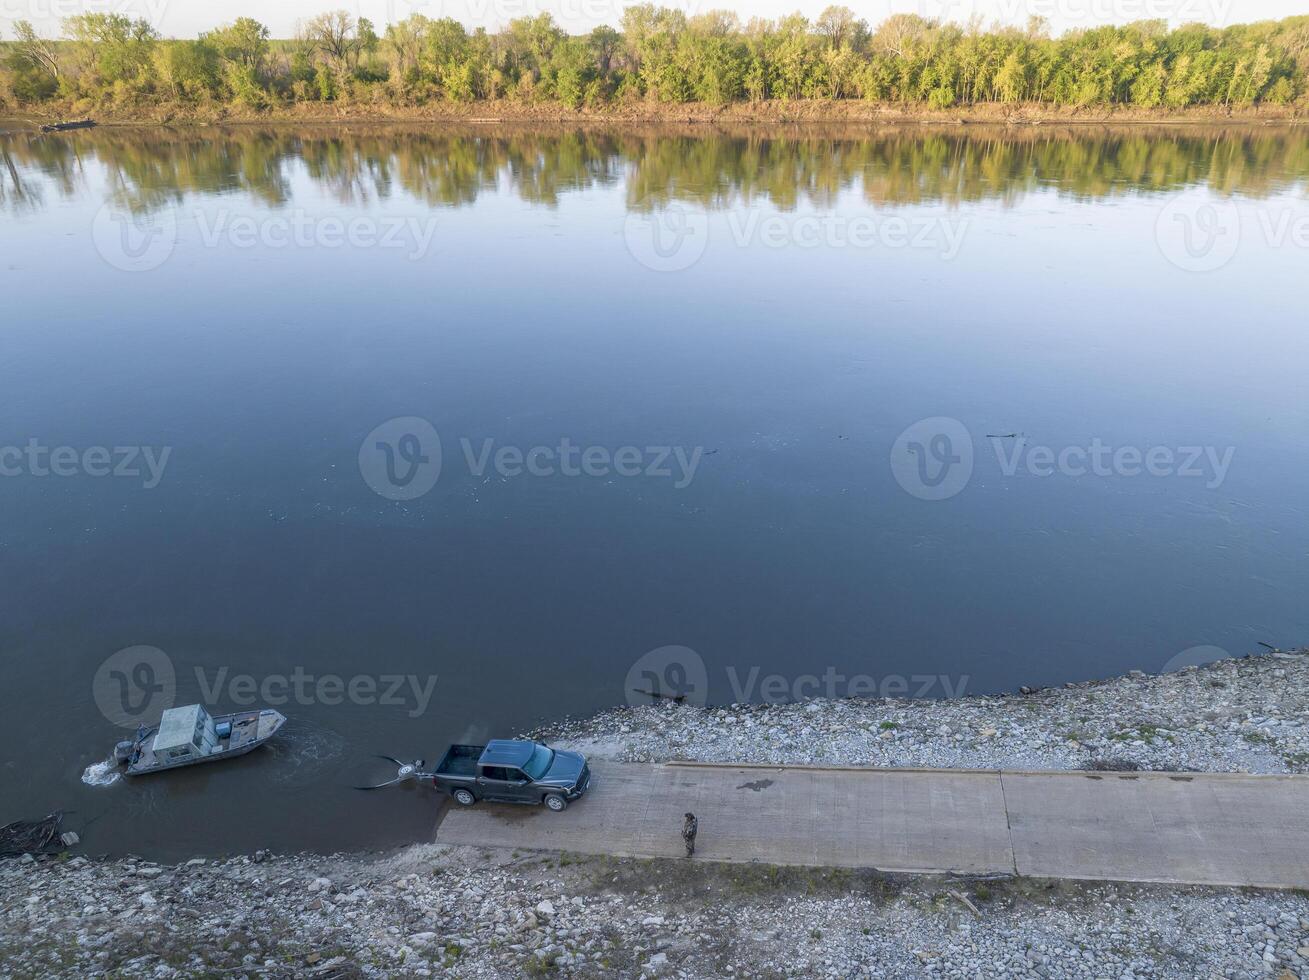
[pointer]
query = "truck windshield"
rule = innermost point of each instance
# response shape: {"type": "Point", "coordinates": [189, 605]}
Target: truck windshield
{"type": "Point", "coordinates": [539, 763]}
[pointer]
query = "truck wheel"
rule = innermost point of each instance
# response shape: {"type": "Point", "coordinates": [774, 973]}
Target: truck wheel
{"type": "Point", "coordinates": [464, 798]}
{"type": "Point", "coordinates": [556, 803]}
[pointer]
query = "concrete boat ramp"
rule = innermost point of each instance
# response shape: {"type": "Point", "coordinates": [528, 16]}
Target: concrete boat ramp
{"type": "Point", "coordinates": [1181, 828]}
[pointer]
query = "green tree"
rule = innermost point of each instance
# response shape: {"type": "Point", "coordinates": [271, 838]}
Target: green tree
{"type": "Point", "coordinates": [1011, 79]}
{"type": "Point", "coordinates": [244, 42]}
{"type": "Point", "coordinates": [189, 69]}
{"type": "Point", "coordinates": [661, 54]}
{"type": "Point", "coordinates": [110, 49]}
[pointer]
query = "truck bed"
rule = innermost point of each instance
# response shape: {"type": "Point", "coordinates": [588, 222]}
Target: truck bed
{"type": "Point", "coordinates": [460, 760]}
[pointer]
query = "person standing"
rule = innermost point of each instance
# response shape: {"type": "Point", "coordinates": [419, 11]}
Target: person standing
{"type": "Point", "coordinates": [690, 827]}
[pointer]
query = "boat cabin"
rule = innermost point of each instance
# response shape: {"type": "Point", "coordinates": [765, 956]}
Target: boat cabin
{"type": "Point", "coordinates": [185, 733]}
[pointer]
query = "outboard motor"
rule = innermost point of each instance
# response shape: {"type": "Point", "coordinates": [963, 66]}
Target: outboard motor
{"type": "Point", "coordinates": [123, 752]}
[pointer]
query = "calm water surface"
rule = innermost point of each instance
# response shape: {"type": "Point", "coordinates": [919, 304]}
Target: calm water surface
{"type": "Point", "coordinates": [784, 310]}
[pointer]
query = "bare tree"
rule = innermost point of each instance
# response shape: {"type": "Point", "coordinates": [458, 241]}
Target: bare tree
{"type": "Point", "coordinates": [896, 33]}
{"type": "Point", "coordinates": [334, 34]}
{"type": "Point", "coordinates": [35, 52]}
{"type": "Point", "coordinates": [840, 26]}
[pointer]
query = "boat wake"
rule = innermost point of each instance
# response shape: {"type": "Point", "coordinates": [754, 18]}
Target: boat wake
{"type": "Point", "coordinates": [306, 753]}
{"type": "Point", "coordinates": [101, 773]}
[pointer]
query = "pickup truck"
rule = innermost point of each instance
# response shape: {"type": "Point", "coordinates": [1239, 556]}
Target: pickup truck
{"type": "Point", "coordinates": [513, 771]}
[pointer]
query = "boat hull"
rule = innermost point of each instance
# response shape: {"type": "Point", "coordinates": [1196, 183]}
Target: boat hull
{"type": "Point", "coordinates": [250, 730]}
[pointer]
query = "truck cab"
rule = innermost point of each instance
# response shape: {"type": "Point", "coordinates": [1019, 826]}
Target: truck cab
{"type": "Point", "coordinates": [513, 771]}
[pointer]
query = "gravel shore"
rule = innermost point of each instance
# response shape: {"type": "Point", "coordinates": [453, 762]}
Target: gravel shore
{"type": "Point", "coordinates": [474, 913]}
{"type": "Point", "coordinates": [471, 912]}
{"type": "Point", "coordinates": [1242, 715]}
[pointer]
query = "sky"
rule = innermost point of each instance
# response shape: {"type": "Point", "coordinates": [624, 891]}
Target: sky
{"type": "Point", "coordinates": [187, 18]}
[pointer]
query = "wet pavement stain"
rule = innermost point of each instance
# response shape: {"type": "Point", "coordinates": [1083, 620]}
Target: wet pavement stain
{"type": "Point", "coordinates": [511, 813]}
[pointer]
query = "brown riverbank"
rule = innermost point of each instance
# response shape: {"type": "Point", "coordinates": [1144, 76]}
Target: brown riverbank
{"type": "Point", "coordinates": [770, 112]}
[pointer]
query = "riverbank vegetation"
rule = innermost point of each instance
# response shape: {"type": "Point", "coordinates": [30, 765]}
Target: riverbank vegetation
{"type": "Point", "coordinates": [659, 56]}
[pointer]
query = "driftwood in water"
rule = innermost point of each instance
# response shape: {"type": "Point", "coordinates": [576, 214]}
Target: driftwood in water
{"type": "Point", "coordinates": [60, 127]}
{"type": "Point", "coordinates": [31, 836]}
{"type": "Point", "coordinates": [679, 698]}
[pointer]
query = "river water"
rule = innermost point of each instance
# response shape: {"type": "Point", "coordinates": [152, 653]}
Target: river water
{"type": "Point", "coordinates": [426, 434]}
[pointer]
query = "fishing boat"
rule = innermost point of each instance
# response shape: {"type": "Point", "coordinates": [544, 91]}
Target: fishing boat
{"type": "Point", "coordinates": [64, 126]}
{"type": "Point", "coordinates": [189, 735]}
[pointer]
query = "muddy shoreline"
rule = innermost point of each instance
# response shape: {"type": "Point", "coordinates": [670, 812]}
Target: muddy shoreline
{"type": "Point", "coordinates": [777, 112]}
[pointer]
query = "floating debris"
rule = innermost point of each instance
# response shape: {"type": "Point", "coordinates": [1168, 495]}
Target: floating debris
{"type": "Point", "coordinates": [31, 836]}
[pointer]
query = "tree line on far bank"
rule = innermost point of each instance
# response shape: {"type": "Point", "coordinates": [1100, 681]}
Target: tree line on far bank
{"type": "Point", "coordinates": [661, 55]}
